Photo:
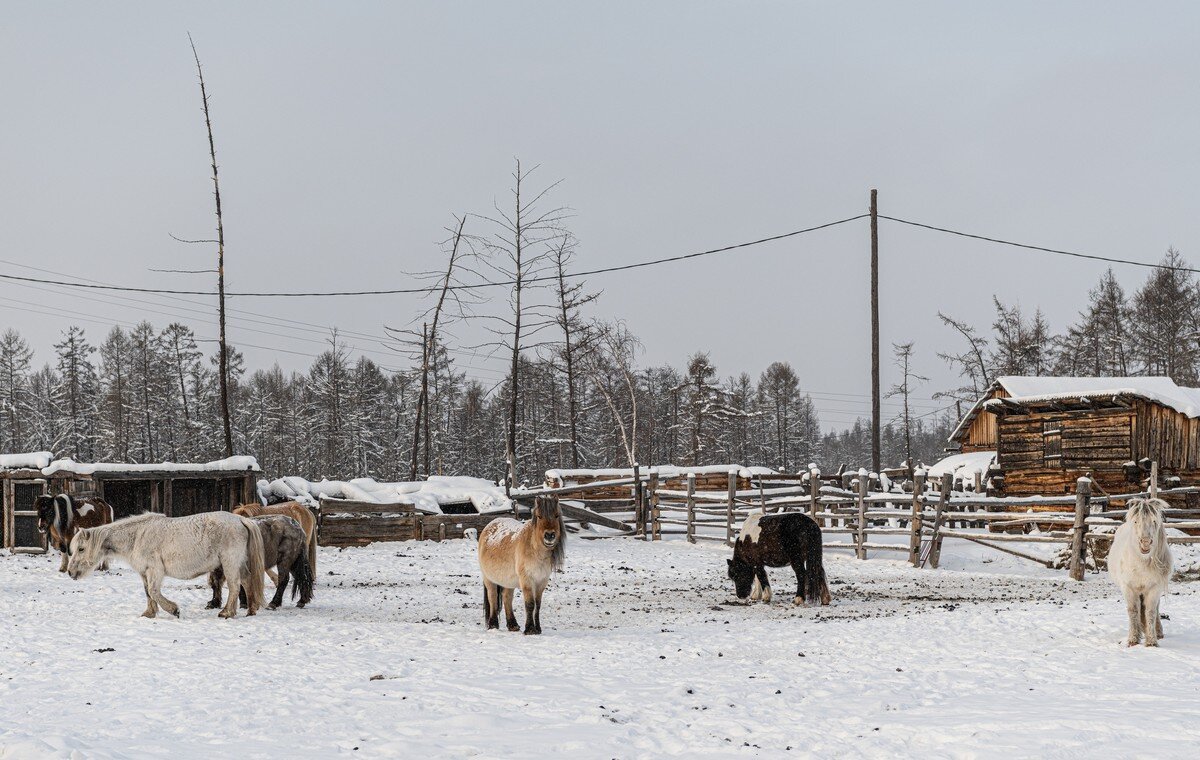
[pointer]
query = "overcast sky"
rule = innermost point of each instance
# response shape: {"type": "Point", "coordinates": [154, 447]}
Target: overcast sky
{"type": "Point", "coordinates": [348, 133]}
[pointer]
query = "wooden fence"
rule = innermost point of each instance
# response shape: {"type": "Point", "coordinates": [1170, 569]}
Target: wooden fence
{"type": "Point", "coordinates": [916, 523]}
{"type": "Point", "coordinates": [357, 523]}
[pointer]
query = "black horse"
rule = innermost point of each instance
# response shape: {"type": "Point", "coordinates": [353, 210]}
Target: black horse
{"type": "Point", "coordinates": [792, 538]}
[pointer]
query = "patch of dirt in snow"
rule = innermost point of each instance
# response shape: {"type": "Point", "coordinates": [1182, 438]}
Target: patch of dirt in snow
{"type": "Point", "coordinates": [645, 653]}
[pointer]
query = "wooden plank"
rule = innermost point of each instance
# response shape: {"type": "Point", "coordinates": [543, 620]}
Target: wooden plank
{"type": "Point", "coordinates": [583, 514]}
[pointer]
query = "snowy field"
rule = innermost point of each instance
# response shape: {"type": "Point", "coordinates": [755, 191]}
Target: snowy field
{"type": "Point", "coordinates": [643, 656]}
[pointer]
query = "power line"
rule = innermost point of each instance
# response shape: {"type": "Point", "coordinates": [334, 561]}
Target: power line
{"type": "Point", "coordinates": [1043, 249]}
{"type": "Point", "coordinates": [435, 289]}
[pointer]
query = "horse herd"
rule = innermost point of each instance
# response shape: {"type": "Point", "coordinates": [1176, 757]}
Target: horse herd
{"type": "Point", "coordinates": [237, 548]}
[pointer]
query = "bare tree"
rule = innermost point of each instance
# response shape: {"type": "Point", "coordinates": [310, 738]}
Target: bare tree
{"type": "Point", "coordinates": [903, 353]}
{"type": "Point", "coordinates": [449, 305]}
{"type": "Point", "coordinates": [611, 366]}
{"type": "Point", "coordinates": [576, 336]}
{"type": "Point", "coordinates": [971, 363]}
{"type": "Point", "coordinates": [223, 363]}
{"type": "Point", "coordinates": [520, 254]}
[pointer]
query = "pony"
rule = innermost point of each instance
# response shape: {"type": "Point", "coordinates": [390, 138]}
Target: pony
{"type": "Point", "coordinates": [791, 538]}
{"type": "Point", "coordinates": [297, 512]}
{"type": "Point", "coordinates": [178, 547]}
{"type": "Point", "coordinates": [1139, 561]}
{"type": "Point", "coordinates": [512, 554]}
{"type": "Point", "coordinates": [284, 548]}
{"type": "Point", "coordinates": [60, 516]}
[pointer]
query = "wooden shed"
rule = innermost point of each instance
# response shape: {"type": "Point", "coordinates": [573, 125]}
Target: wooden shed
{"type": "Point", "coordinates": [1049, 431]}
{"type": "Point", "coordinates": [173, 489]}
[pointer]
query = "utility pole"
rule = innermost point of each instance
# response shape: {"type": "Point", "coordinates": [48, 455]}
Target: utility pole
{"type": "Point", "coordinates": [875, 453]}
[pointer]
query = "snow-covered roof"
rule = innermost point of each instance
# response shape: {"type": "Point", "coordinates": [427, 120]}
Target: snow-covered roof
{"type": "Point", "coordinates": [31, 460]}
{"type": "Point", "coordinates": [1024, 389]}
{"type": "Point", "coordinates": [962, 465]}
{"type": "Point", "coordinates": [663, 471]}
{"type": "Point", "coordinates": [425, 495]}
{"type": "Point", "coordinates": [1161, 390]}
{"type": "Point", "coordinates": [70, 466]}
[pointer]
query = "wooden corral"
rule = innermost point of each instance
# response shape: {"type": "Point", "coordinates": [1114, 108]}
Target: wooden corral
{"type": "Point", "coordinates": [357, 523]}
{"type": "Point", "coordinates": [173, 490]}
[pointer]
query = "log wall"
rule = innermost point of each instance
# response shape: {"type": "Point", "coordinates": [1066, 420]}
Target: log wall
{"type": "Point", "coordinates": [1044, 453]}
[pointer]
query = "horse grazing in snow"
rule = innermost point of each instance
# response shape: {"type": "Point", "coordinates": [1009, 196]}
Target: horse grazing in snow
{"type": "Point", "coordinates": [792, 538]}
{"type": "Point", "coordinates": [60, 516]}
{"type": "Point", "coordinates": [297, 512]}
{"type": "Point", "coordinates": [177, 547]}
{"type": "Point", "coordinates": [284, 548]}
{"type": "Point", "coordinates": [512, 554]}
{"type": "Point", "coordinates": [1139, 560]}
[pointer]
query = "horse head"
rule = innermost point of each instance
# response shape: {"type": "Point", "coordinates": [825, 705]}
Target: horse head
{"type": "Point", "coordinates": [548, 527]}
{"type": "Point", "coordinates": [45, 512]}
{"type": "Point", "coordinates": [87, 551]}
{"type": "Point", "coordinates": [742, 575]}
{"type": "Point", "coordinates": [1146, 517]}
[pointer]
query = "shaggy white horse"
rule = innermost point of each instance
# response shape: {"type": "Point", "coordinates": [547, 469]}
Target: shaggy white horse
{"type": "Point", "coordinates": [1140, 563]}
{"type": "Point", "coordinates": [179, 547]}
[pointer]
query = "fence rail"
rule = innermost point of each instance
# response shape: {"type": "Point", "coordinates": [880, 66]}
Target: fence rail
{"type": "Point", "coordinates": [927, 515]}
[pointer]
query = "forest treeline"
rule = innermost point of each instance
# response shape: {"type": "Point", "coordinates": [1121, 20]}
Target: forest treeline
{"type": "Point", "coordinates": [574, 394]}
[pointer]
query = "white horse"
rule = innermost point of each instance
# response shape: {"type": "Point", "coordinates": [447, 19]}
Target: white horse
{"type": "Point", "coordinates": [1140, 563]}
{"type": "Point", "coordinates": [179, 547]}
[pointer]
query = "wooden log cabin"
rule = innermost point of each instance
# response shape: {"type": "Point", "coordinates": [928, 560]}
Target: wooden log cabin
{"type": "Point", "coordinates": [169, 488]}
{"type": "Point", "coordinates": [1049, 431]}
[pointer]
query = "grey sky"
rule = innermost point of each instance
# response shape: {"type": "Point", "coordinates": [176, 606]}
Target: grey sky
{"type": "Point", "coordinates": [348, 133]}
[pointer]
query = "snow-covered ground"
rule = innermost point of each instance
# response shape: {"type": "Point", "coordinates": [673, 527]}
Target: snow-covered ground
{"type": "Point", "coordinates": [643, 656]}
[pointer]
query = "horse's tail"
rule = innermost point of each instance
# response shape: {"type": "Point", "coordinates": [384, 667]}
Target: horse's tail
{"type": "Point", "coordinates": [254, 567]}
{"type": "Point", "coordinates": [302, 579]}
{"type": "Point", "coordinates": [312, 541]}
{"type": "Point", "coordinates": [815, 588]}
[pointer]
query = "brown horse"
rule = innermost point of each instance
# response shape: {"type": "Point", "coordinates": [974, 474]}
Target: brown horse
{"type": "Point", "coordinates": [513, 554]}
{"type": "Point", "coordinates": [296, 511]}
{"type": "Point", "coordinates": [60, 516]}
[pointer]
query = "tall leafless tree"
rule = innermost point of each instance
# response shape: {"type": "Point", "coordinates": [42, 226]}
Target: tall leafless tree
{"type": "Point", "coordinates": [520, 255]}
{"type": "Point", "coordinates": [576, 338]}
{"type": "Point", "coordinates": [903, 353]}
{"type": "Point", "coordinates": [223, 351]}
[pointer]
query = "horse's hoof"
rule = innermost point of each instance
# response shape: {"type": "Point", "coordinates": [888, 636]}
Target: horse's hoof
{"type": "Point", "coordinates": [226, 615]}
{"type": "Point", "coordinates": [531, 632]}
{"type": "Point", "coordinates": [272, 606]}
{"type": "Point", "coordinates": [513, 627]}
{"type": "Point", "coordinates": [212, 605]}
{"type": "Point", "coordinates": [299, 605]}
{"type": "Point", "coordinates": [148, 615]}
{"type": "Point", "coordinates": [174, 612]}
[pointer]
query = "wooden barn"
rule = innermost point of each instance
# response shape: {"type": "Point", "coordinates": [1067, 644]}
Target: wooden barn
{"type": "Point", "coordinates": [172, 489]}
{"type": "Point", "coordinates": [1049, 431]}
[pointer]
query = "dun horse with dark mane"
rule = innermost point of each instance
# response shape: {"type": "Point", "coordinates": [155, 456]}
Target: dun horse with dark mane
{"type": "Point", "coordinates": [512, 554]}
{"type": "Point", "coordinates": [793, 539]}
{"type": "Point", "coordinates": [60, 516]}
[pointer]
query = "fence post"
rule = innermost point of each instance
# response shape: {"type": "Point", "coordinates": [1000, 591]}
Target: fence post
{"type": "Point", "coordinates": [860, 536]}
{"type": "Point", "coordinates": [639, 517]}
{"type": "Point", "coordinates": [935, 540]}
{"type": "Point", "coordinates": [691, 507]}
{"type": "Point", "coordinates": [1154, 479]}
{"type": "Point", "coordinates": [914, 524]}
{"type": "Point", "coordinates": [729, 507]}
{"type": "Point", "coordinates": [654, 526]}
{"type": "Point", "coordinates": [1083, 492]}
{"type": "Point", "coordinates": [814, 492]}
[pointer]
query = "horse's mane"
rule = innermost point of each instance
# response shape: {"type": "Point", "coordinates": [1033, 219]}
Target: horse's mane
{"type": "Point", "coordinates": [559, 555]}
{"type": "Point", "coordinates": [125, 522]}
{"type": "Point", "coordinates": [1152, 508]}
